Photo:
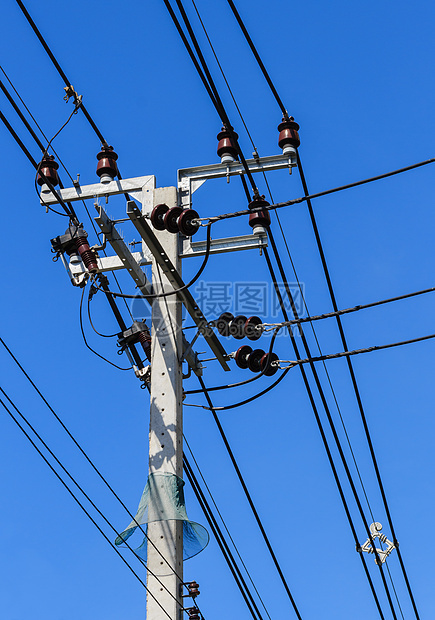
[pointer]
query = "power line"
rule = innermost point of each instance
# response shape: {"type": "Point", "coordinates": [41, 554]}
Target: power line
{"type": "Point", "coordinates": [249, 498]}
{"type": "Point", "coordinates": [68, 488]}
{"type": "Point", "coordinates": [223, 545]}
{"type": "Point", "coordinates": [225, 525]}
{"type": "Point", "coordinates": [79, 447]}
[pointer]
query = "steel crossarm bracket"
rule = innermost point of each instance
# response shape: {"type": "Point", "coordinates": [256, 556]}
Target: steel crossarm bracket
{"type": "Point", "coordinates": [189, 249]}
{"type": "Point", "coordinates": [191, 179]}
{"type": "Point", "coordinates": [121, 249]}
{"type": "Point", "coordinates": [133, 186]}
{"type": "Point", "coordinates": [176, 281]}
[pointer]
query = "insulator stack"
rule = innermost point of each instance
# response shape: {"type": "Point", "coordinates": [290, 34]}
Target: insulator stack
{"type": "Point", "coordinates": [259, 220]}
{"type": "Point", "coordinates": [107, 168]}
{"type": "Point", "coordinates": [256, 360]}
{"type": "Point", "coordinates": [193, 589]}
{"type": "Point", "coordinates": [48, 169]}
{"type": "Point", "coordinates": [193, 613]}
{"type": "Point", "coordinates": [239, 326]}
{"type": "Point", "coordinates": [227, 146]}
{"type": "Point", "coordinates": [87, 255]}
{"type": "Point", "coordinates": [175, 220]}
{"type": "Point", "coordinates": [145, 340]}
{"type": "Point", "coordinates": [288, 135]}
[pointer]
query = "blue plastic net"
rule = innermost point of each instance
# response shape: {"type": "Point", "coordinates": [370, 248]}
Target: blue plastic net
{"type": "Point", "coordinates": [163, 500]}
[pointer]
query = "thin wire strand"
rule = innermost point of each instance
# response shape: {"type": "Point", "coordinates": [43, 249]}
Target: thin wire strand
{"type": "Point", "coordinates": [72, 493]}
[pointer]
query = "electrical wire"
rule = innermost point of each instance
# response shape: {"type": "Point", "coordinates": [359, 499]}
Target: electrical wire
{"type": "Point", "coordinates": [11, 415]}
{"type": "Point", "coordinates": [379, 347]}
{"type": "Point", "coordinates": [26, 152]}
{"type": "Point", "coordinates": [355, 386]}
{"type": "Point", "coordinates": [85, 455]}
{"type": "Point", "coordinates": [225, 526]}
{"type": "Point", "coordinates": [90, 318]}
{"type": "Point", "coordinates": [249, 498]}
{"type": "Point", "coordinates": [280, 205]}
{"type": "Point", "coordinates": [223, 545]}
{"type": "Point", "coordinates": [86, 342]}
{"type": "Point", "coordinates": [323, 436]}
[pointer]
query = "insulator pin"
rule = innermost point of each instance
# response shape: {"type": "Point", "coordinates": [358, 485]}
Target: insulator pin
{"type": "Point", "coordinates": [158, 215]}
{"type": "Point", "coordinates": [145, 340]}
{"type": "Point", "coordinates": [107, 168]}
{"type": "Point", "coordinates": [266, 364]}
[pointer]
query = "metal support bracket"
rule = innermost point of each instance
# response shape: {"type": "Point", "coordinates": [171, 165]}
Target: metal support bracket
{"type": "Point", "coordinates": [176, 281]}
{"type": "Point", "coordinates": [375, 531]}
{"type": "Point", "coordinates": [191, 179]}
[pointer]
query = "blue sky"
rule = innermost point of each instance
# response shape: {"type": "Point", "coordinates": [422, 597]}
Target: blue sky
{"type": "Point", "coordinates": [359, 81]}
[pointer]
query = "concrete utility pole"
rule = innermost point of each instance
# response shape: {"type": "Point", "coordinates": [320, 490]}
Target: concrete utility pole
{"type": "Point", "coordinates": [164, 252]}
{"type": "Point", "coordinates": [166, 424]}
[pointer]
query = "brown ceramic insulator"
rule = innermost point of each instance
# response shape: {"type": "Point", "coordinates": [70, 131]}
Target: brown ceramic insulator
{"type": "Point", "coordinates": [193, 589]}
{"type": "Point", "coordinates": [254, 360]}
{"type": "Point", "coordinates": [170, 219]}
{"type": "Point", "coordinates": [157, 216]}
{"type": "Point", "coordinates": [227, 143]}
{"type": "Point", "coordinates": [237, 327]}
{"type": "Point", "coordinates": [223, 323]}
{"type": "Point", "coordinates": [48, 168]}
{"type": "Point", "coordinates": [288, 133]}
{"type": "Point", "coordinates": [252, 328]}
{"type": "Point", "coordinates": [259, 218]}
{"type": "Point", "coordinates": [107, 162]}
{"type": "Point", "coordinates": [265, 364]}
{"type": "Point", "coordinates": [193, 613]}
{"type": "Point", "coordinates": [187, 224]}
{"type": "Point", "coordinates": [86, 254]}
{"type": "Point", "coordinates": [242, 356]}
{"type": "Point", "coordinates": [145, 340]}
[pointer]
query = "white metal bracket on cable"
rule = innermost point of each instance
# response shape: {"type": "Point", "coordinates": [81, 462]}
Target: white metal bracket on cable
{"type": "Point", "coordinates": [375, 531]}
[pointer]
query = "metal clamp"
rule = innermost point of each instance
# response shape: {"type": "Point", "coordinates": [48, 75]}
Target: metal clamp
{"type": "Point", "coordinates": [375, 531]}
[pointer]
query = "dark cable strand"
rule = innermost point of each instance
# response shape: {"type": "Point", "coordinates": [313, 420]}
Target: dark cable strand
{"type": "Point", "coordinates": [226, 552]}
{"type": "Point", "coordinates": [354, 384]}
{"type": "Point", "coordinates": [323, 435]}
{"type": "Point", "coordinates": [26, 152]}
{"type": "Point", "coordinates": [249, 498]}
{"type": "Point", "coordinates": [225, 526]}
{"type": "Point", "coordinates": [81, 450]}
{"type": "Point", "coordinates": [78, 501]}
{"type": "Point", "coordinates": [80, 488]}
{"type": "Point", "coordinates": [331, 424]}
{"type": "Point", "coordinates": [280, 205]}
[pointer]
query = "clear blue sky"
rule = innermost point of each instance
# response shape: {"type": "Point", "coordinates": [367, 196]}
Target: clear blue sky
{"type": "Point", "coordinates": [359, 80]}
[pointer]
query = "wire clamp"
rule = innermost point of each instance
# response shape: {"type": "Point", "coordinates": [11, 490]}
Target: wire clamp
{"type": "Point", "coordinates": [367, 547]}
{"type": "Point", "coordinates": [70, 92]}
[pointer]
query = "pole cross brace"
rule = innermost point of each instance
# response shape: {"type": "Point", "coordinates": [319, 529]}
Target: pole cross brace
{"type": "Point", "coordinates": [176, 281]}
{"type": "Point", "coordinates": [375, 531]}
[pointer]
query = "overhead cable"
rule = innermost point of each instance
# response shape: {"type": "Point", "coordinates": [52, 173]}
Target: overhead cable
{"type": "Point", "coordinates": [71, 492]}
